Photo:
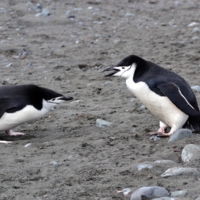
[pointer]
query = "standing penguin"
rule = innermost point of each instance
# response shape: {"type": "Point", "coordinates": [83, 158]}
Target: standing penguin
{"type": "Point", "coordinates": [23, 103]}
{"type": "Point", "coordinates": [167, 95]}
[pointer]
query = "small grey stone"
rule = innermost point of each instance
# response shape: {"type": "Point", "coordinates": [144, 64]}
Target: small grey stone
{"type": "Point", "coordinates": [165, 162]}
{"type": "Point", "coordinates": [198, 198]}
{"type": "Point", "coordinates": [144, 166]}
{"type": "Point", "coordinates": [195, 38]}
{"type": "Point", "coordinates": [192, 24]}
{"type": "Point", "coordinates": [2, 10]}
{"type": "Point", "coordinates": [45, 12]}
{"type": "Point", "coordinates": [149, 192]}
{"type": "Point", "coordinates": [190, 152]}
{"type": "Point", "coordinates": [196, 30]}
{"type": "Point", "coordinates": [108, 83]}
{"type": "Point", "coordinates": [54, 163]}
{"type": "Point", "coordinates": [196, 88]}
{"type": "Point", "coordinates": [102, 123]}
{"type": "Point", "coordinates": [154, 138]}
{"type": "Point", "coordinates": [142, 107]}
{"type": "Point", "coordinates": [178, 193]}
{"type": "Point", "coordinates": [175, 171]}
{"type": "Point", "coordinates": [38, 8]}
{"type": "Point", "coordinates": [180, 134]}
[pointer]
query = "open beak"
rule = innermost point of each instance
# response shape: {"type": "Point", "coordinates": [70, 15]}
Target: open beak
{"type": "Point", "coordinates": [65, 98]}
{"type": "Point", "coordinates": [113, 69]}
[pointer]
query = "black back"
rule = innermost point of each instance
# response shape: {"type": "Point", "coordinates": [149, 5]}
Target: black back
{"type": "Point", "coordinates": [14, 98]}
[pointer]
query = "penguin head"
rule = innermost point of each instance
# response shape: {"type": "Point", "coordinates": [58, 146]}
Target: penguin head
{"type": "Point", "coordinates": [58, 100]}
{"type": "Point", "coordinates": [126, 67]}
{"type": "Point", "coordinates": [53, 97]}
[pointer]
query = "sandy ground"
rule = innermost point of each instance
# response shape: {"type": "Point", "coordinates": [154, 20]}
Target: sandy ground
{"type": "Point", "coordinates": [70, 158]}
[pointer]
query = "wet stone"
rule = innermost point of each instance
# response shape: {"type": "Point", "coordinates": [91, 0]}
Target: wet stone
{"type": "Point", "coordinates": [149, 192]}
{"type": "Point", "coordinates": [190, 152]}
{"type": "Point", "coordinates": [180, 134]}
{"type": "Point", "coordinates": [102, 123]}
{"type": "Point", "coordinates": [176, 171]}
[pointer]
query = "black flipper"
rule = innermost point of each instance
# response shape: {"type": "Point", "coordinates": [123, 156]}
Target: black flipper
{"type": "Point", "coordinates": [11, 105]}
{"type": "Point", "coordinates": [173, 92]}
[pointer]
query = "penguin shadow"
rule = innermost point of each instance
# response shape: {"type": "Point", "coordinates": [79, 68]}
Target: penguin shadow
{"type": "Point", "coordinates": [4, 136]}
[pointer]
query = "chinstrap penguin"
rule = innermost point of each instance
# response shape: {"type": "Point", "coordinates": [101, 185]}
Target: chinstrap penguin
{"type": "Point", "coordinates": [167, 95]}
{"type": "Point", "coordinates": [23, 103]}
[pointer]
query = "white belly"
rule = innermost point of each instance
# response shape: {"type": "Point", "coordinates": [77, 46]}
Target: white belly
{"type": "Point", "coordinates": [29, 113]}
{"type": "Point", "coordinates": [160, 106]}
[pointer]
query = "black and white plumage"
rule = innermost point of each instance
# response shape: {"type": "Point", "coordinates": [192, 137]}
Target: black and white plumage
{"type": "Point", "coordinates": [167, 95]}
{"type": "Point", "coordinates": [23, 103]}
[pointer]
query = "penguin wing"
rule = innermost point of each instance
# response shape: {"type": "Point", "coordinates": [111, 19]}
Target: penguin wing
{"type": "Point", "coordinates": [11, 105]}
{"type": "Point", "coordinates": [173, 92]}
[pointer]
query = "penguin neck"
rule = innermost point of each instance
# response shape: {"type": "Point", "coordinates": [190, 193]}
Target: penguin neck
{"type": "Point", "coordinates": [47, 106]}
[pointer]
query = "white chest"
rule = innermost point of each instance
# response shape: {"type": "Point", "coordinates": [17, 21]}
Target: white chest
{"type": "Point", "coordinates": [28, 113]}
{"type": "Point", "coordinates": [160, 106]}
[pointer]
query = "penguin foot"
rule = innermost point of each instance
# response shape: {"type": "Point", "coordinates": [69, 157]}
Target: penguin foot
{"type": "Point", "coordinates": [12, 133]}
{"type": "Point", "coordinates": [5, 142]}
{"type": "Point", "coordinates": [162, 134]}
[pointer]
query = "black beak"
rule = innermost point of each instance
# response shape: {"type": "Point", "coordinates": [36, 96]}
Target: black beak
{"type": "Point", "coordinates": [111, 69]}
{"type": "Point", "coordinates": [66, 98]}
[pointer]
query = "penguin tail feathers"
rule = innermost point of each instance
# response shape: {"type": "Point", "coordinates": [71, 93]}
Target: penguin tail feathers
{"type": "Point", "coordinates": [193, 123]}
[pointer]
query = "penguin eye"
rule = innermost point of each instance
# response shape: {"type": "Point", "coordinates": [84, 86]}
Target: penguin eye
{"type": "Point", "coordinates": [123, 67]}
{"type": "Point", "coordinates": [53, 99]}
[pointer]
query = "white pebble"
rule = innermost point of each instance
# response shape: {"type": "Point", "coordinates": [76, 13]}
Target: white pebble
{"type": "Point", "coordinates": [102, 123]}
{"type": "Point", "coordinates": [190, 152]}
{"type": "Point", "coordinates": [149, 192]}
{"type": "Point", "coordinates": [196, 30]}
{"type": "Point", "coordinates": [54, 163]}
{"type": "Point", "coordinates": [180, 134]}
{"type": "Point", "coordinates": [178, 193]}
{"type": "Point", "coordinates": [196, 88]}
{"type": "Point", "coordinates": [175, 171]}
{"type": "Point", "coordinates": [192, 24]}
{"type": "Point", "coordinates": [164, 162]}
{"type": "Point", "coordinates": [144, 166]}
{"type": "Point", "coordinates": [28, 145]}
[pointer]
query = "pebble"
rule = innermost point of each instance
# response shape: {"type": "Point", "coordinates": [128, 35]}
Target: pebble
{"type": "Point", "coordinates": [142, 107]}
{"type": "Point", "coordinates": [196, 88]}
{"type": "Point", "coordinates": [102, 123]}
{"type": "Point", "coordinates": [28, 145]}
{"type": "Point", "coordinates": [108, 83]}
{"type": "Point", "coordinates": [125, 191]}
{"type": "Point", "coordinates": [196, 30]}
{"type": "Point", "coordinates": [149, 192]}
{"type": "Point", "coordinates": [192, 24]}
{"type": "Point", "coordinates": [175, 171]}
{"type": "Point", "coordinates": [144, 166]}
{"type": "Point", "coordinates": [2, 10]}
{"type": "Point", "coordinates": [77, 101]}
{"type": "Point", "coordinates": [38, 8]}
{"type": "Point", "coordinates": [180, 134]}
{"type": "Point", "coordinates": [54, 163]}
{"type": "Point", "coordinates": [164, 162]}
{"type": "Point", "coordinates": [190, 152]}
{"type": "Point", "coordinates": [8, 65]}
{"type": "Point", "coordinates": [195, 38]}
{"type": "Point", "coordinates": [154, 138]}
{"type": "Point", "coordinates": [178, 193]}
{"type": "Point", "coordinates": [198, 198]}
{"type": "Point", "coordinates": [45, 12]}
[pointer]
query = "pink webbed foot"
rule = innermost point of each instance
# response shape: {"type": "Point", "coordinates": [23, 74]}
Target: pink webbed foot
{"type": "Point", "coordinates": [12, 133]}
{"type": "Point", "coordinates": [161, 132]}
